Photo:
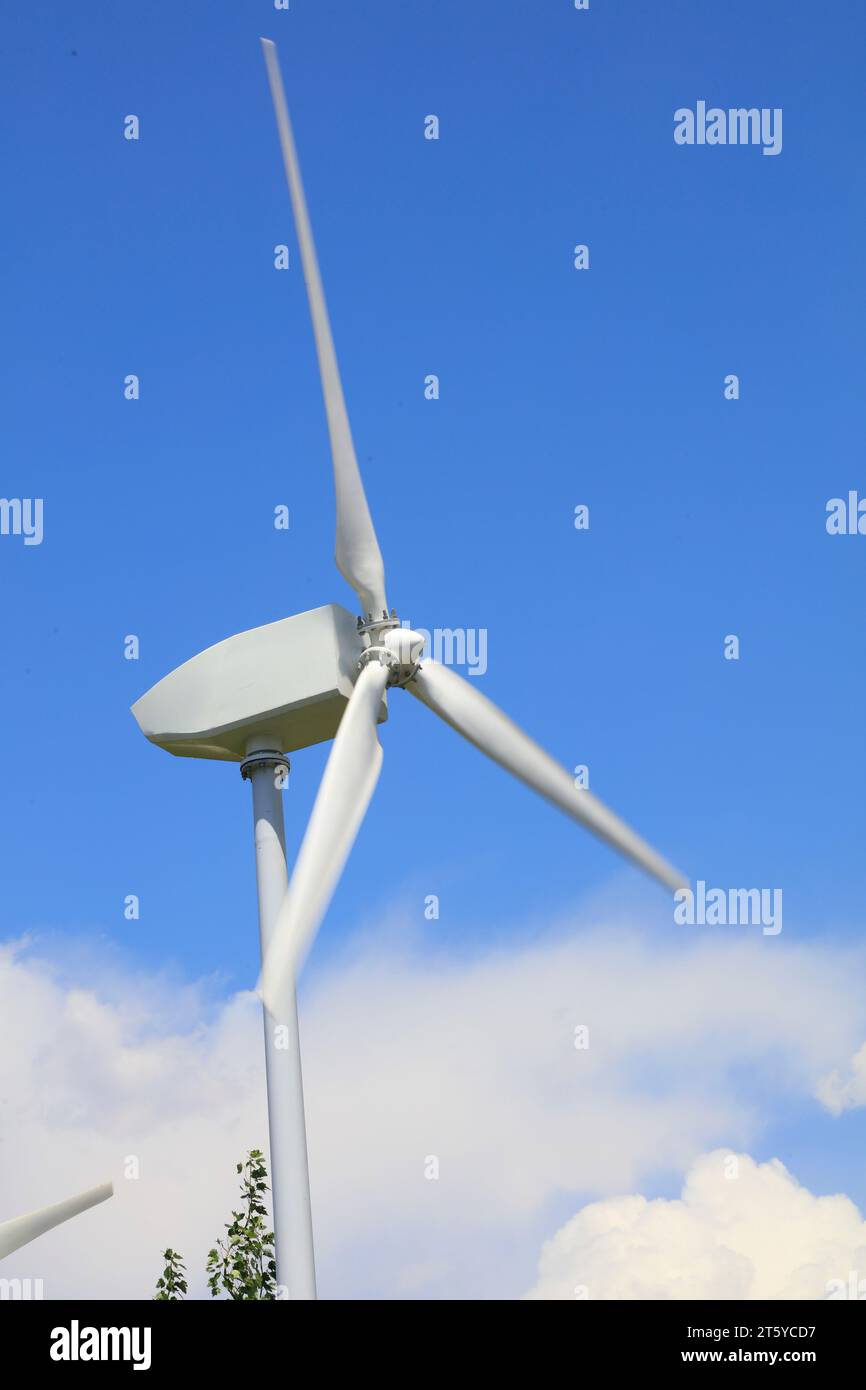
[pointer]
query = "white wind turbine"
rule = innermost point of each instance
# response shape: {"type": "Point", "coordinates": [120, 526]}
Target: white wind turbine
{"type": "Point", "coordinates": [322, 675]}
{"type": "Point", "coordinates": [22, 1229]}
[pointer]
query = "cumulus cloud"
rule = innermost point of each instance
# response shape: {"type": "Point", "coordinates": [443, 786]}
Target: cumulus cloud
{"type": "Point", "coordinates": [845, 1090]}
{"type": "Point", "coordinates": [739, 1230]}
{"type": "Point", "coordinates": [409, 1056]}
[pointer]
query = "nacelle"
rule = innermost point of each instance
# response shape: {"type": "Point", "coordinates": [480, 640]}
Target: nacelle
{"type": "Point", "coordinates": [287, 683]}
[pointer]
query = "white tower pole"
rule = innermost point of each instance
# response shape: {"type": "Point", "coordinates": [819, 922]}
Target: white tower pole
{"type": "Point", "coordinates": [290, 1179]}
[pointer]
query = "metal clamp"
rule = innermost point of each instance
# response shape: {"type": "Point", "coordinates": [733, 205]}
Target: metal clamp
{"type": "Point", "coordinates": [264, 758]}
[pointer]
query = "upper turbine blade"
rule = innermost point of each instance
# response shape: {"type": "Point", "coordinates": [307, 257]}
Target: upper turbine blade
{"type": "Point", "coordinates": [358, 556]}
{"type": "Point", "coordinates": [482, 723]}
{"type": "Point", "coordinates": [22, 1229]}
{"type": "Point", "coordinates": [349, 781]}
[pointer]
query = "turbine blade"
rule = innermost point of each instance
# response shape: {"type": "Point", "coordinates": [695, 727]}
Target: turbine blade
{"type": "Point", "coordinates": [358, 556]}
{"type": "Point", "coordinates": [349, 781]}
{"type": "Point", "coordinates": [22, 1229]}
{"type": "Point", "coordinates": [482, 723]}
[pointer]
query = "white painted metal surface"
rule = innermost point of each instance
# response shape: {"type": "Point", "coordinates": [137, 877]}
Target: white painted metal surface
{"type": "Point", "coordinates": [290, 1181]}
{"type": "Point", "coordinates": [358, 556]}
{"type": "Point", "coordinates": [480, 721]}
{"type": "Point", "coordinates": [344, 795]}
{"type": "Point", "coordinates": [22, 1229]}
{"type": "Point", "coordinates": [292, 677]}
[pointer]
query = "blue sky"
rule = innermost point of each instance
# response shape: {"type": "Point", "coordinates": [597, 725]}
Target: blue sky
{"type": "Point", "coordinates": [558, 387]}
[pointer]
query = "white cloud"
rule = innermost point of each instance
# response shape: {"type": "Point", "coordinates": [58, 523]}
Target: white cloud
{"type": "Point", "coordinates": [838, 1091]}
{"type": "Point", "coordinates": [406, 1055]}
{"type": "Point", "coordinates": [740, 1230]}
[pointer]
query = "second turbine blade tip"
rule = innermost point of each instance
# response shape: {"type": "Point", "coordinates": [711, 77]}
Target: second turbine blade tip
{"type": "Point", "coordinates": [480, 721]}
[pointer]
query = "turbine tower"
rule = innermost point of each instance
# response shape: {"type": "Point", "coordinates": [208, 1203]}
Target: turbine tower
{"type": "Point", "coordinates": [260, 695]}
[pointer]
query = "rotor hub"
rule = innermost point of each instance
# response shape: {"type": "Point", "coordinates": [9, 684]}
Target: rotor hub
{"type": "Point", "coordinates": [399, 650]}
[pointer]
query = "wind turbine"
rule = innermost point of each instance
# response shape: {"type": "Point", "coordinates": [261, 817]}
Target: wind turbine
{"type": "Point", "coordinates": [22, 1229]}
{"type": "Point", "coordinates": [322, 675]}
